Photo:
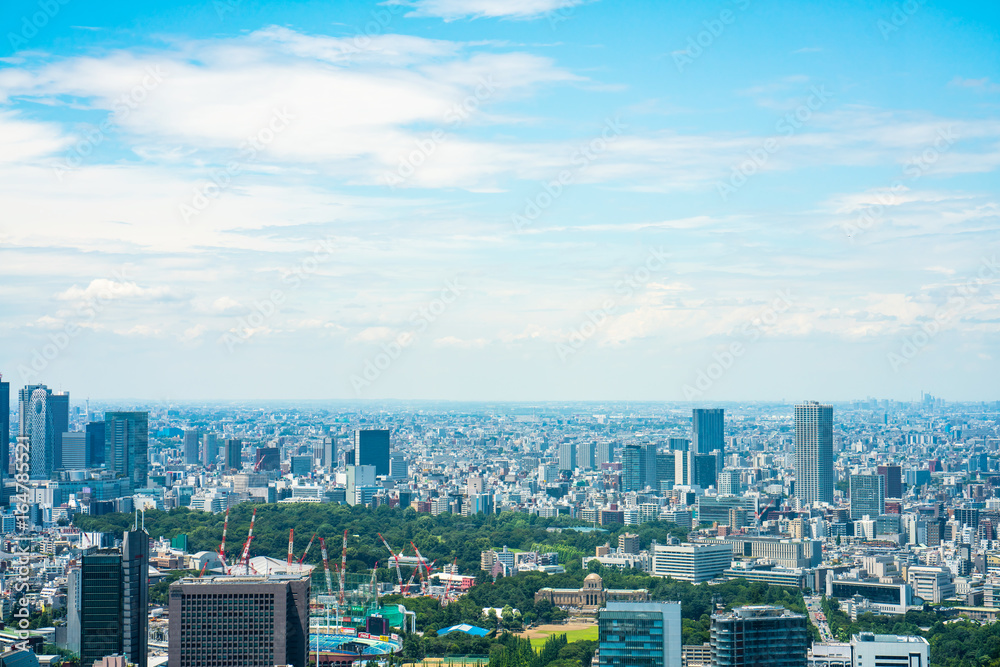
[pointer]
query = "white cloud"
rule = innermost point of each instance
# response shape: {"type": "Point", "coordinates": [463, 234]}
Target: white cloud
{"type": "Point", "coordinates": [450, 10]}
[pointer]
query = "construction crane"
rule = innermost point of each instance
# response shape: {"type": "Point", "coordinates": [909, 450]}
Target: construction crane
{"type": "Point", "coordinates": [307, 548]}
{"type": "Point", "coordinates": [326, 566]}
{"type": "Point", "coordinates": [245, 557]}
{"type": "Point", "coordinates": [343, 567]}
{"type": "Point", "coordinates": [410, 582]}
{"type": "Point", "coordinates": [399, 574]}
{"type": "Point", "coordinates": [222, 547]}
{"type": "Point", "coordinates": [421, 561]}
{"type": "Point", "coordinates": [291, 534]}
{"type": "Point", "coordinates": [204, 565]}
{"type": "Point", "coordinates": [451, 578]}
{"type": "Point", "coordinates": [375, 583]}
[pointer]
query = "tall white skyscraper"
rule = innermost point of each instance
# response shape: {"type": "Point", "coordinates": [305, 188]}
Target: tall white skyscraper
{"type": "Point", "coordinates": [814, 452]}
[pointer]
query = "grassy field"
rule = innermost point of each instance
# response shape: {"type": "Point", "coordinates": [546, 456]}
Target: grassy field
{"type": "Point", "coordinates": [573, 631]}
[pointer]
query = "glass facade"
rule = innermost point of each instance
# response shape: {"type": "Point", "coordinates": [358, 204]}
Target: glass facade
{"type": "Point", "coordinates": [759, 636]}
{"type": "Point", "coordinates": [639, 635]}
{"type": "Point", "coordinates": [101, 609]}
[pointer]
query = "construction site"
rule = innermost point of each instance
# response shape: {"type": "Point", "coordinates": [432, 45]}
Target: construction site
{"type": "Point", "coordinates": [348, 623]}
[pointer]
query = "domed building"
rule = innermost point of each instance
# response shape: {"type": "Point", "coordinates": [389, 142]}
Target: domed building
{"type": "Point", "coordinates": [591, 597]}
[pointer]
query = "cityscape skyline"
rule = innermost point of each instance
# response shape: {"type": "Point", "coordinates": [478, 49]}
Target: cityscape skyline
{"type": "Point", "coordinates": [553, 199]}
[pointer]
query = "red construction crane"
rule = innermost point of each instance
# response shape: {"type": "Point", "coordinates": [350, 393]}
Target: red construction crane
{"type": "Point", "coordinates": [343, 568]}
{"type": "Point", "coordinates": [375, 583]}
{"type": "Point", "coordinates": [291, 533]}
{"type": "Point", "coordinates": [204, 565]}
{"type": "Point", "coordinates": [410, 582]}
{"type": "Point", "coordinates": [222, 547]}
{"type": "Point", "coordinates": [307, 548]}
{"type": "Point", "coordinates": [326, 566]}
{"type": "Point", "coordinates": [421, 561]}
{"type": "Point", "coordinates": [260, 460]}
{"type": "Point", "coordinates": [454, 573]}
{"type": "Point", "coordinates": [245, 557]}
{"type": "Point", "coordinates": [399, 574]}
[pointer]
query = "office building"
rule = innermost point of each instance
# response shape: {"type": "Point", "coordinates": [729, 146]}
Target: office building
{"type": "Point", "coordinates": [359, 479]}
{"type": "Point", "coordinates": [192, 440]}
{"type": "Point", "coordinates": [759, 636]}
{"type": "Point", "coordinates": [586, 455]}
{"type": "Point", "coordinates": [267, 459]}
{"type": "Point", "coordinates": [108, 599]}
{"type": "Point", "coordinates": [691, 562]}
{"type": "Point", "coordinates": [729, 483]}
{"type": "Point", "coordinates": [664, 471]}
{"type": "Point", "coordinates": [210, 444]}
{"type": "Point", "coordinates": [871, 650]}
{"type": "Point", "coordinates": [233, 454]}
{"type": "Point", "coordinates": [814, 452]}
{"type": "Point", "coordinates": [707, 430]}
{"type": "Point", "coordinates": [681, 468]}
{"type": "Point", "coordinates": [932, 584]}
{"type": "Point", "coordinates": [4, 438]}
{"type": "Point", "coordinates": [328, 457]}
{"type": "Point", "coordinates": [300, 466]}
{"type": "Point", "coordinates": [75, 452]}
{"type": "Point", "coordinates": [567, 456]}
{"type": "Point", "coordinates": [44, 417]}
{"type": "Point", "coordinates": [787, 553]}
{"type": "Point", "coordinates": [715, 509]}
{"type": "Point", "coordinates": [638, 467]}
{"type": "Point", "coordinates": [867, 496]}
{"type": "Point", "coordinates": [893, 480]}
{"type": "Point", "coordinates": [371, 448]}
{"type": "Point", "coordinates": [639, 634]}
{"type": "Point", "coordinates": [679, 444]}
{"type": "Point", "coordinates": [96, 443]}
{"type": "Point", "coordinates": [100, 612]}
{"type": "Point", "coordinates": [606, 452]}
{"type": "Point", "coordinates": [239, 621]}
{"type": "Point", "coordinates": [135, 595]}
{"type": "Point", "coordinates": [701, 470]}
{"type": "Point", "coordinates": [126, 442]}
{"type": "Point", "coordinates": [628, 543]}
{"type": "Point", "coordinates": [398, 468]}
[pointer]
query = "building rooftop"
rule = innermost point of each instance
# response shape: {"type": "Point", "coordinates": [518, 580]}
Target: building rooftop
{"type": "Point", "coordinates": [888, 639]}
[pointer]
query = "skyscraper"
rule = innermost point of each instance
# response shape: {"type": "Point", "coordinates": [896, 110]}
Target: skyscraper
{"type": "Point", "coordinates": [135, 595]}
{"type": "Point", "coordinates": [4, 437]}
{"type": "Point", "coordinates": [210, 442]}
{"type": "Point", "coordinates": [814, 452]}
{"type": "Point", "coordinates": [759, 637]}
{"type": "Point", "coordinates": [329, 456]}
{"type": "Point", "coordinates": [586, 455]}
{"type": "Point", "coordinates": [244, 621]}
{"type": "Point", "coordinates": [44, 417]}
{"type": "Point", "coordinates": [372, 449]}
{"type": "Point", "coordinates": [100, 609]}
{"type": "Point", "coordinates": [707, 429]}
{"type": "Point", "coordinates": [191, 442]}
{"type": "Point", "coordinates": [638, 467]}
{"type": "Point", "coordinates": [75, 453]}
{"type": "Point", "coordinates": [701, 469]}
{"type": "Point", "coordinates": [96, 443]}
{"type": "Point", "coordinates": [605, 453]}
{"type": "Point", "coordinates": [126, 442]}
{"type": "Point", "coordinates": [567, 456]}
{"type": "Point", "coordinates": [893, 480]}
{"type": "Point", "coordinates": [867, 496]}
{"type": "Point", "coordinates": [234, 454]}
{"type": "Point", "coordinates": [639, 634]}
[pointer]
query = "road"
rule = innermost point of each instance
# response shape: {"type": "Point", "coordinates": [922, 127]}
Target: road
{"type": "Point", "coordinates": [818, 619]}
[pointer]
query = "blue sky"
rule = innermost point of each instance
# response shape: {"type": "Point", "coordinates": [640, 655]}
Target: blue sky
{"type": "Point", "coordinates": [500, 200]}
